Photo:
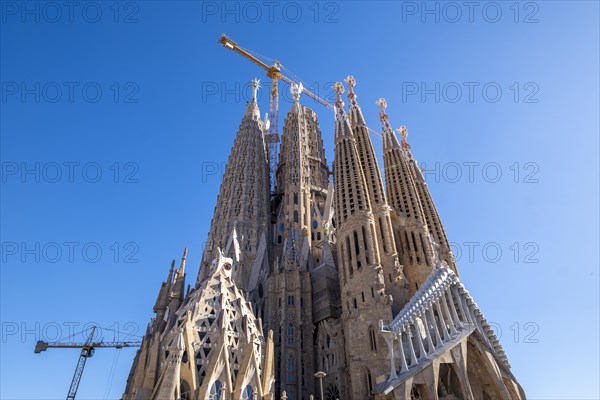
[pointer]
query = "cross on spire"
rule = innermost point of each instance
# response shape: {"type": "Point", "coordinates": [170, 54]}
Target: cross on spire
{"type": "Point", "coordinates": [296, 91]}
{"type": "Point", "coordinates": [404, 133]}
{"type": "Point", "coordinates": [339, 89]}
{"type": "Point", "coordinates": [351, 82]}
{"type": "Point", "coordinates": [339, 103]}
{"type": "Point", "coordinates": [387, 128]}
{"type": "Point", "coordinates": [255, 85]}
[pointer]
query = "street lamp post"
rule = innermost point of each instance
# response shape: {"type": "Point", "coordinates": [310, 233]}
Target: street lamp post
{"type": "Point", "coordinates": [321, 375]}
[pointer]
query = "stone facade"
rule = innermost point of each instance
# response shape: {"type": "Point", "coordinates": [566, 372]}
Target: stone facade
{"type": "Point", "coordinates": [351, 278]}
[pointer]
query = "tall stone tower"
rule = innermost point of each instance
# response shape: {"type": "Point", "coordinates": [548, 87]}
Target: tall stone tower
{"type": "Point", "coordinates": [396, 283]}
{"type": "Point", "coordinates": [302, 281]}
{"type": "Point", "coordinates": [243, 202]}
{"type": "Point", "coordinates": [432, 218]}
{"type": "Point", "coordinates": [410, 227]}
{"type": "Point", "coordinates": [363, 294]}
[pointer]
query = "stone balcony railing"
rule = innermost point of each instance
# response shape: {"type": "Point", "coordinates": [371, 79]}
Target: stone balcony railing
{"type": "Point", "coordinates": [438, 316]}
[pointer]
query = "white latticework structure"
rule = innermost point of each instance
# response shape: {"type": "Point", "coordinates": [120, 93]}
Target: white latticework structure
{"type": "Point", "coordinates": [212, 347]}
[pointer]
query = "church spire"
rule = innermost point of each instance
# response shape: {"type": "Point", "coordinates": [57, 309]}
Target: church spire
{"type": "Point", "coordinates": [176, 292]}
{"type": "Point", "coordinates": [347, 165]}
{"type": "Point", "coordinates": [431, 216]}
{"type": "Point", "coordinates": [162, 300]}
{"type": "Point", "coordinates": [363, 287]}
{"type": "Point", "coordinates": [411, 234]}
{"type": "Point", "coordinates": [170, 276]}
{"type": "Point", "coordinates": [402, 196]}
{"type": "Point", "coordinates": [179, 279]}
{"type": "Point", "coordinates": [252, 107]}
{"type": "Point", "coordinates": [365, 149]}
{"type": "Point", "coordinates": [342, 126]}
{"type": "Point", "coordinates": [296, 246]}
{"type": "Point", "coordinates": [181, 269]}
{"type": "Point", "coordinates": [389, 139]}
{"type": "Point", "coordinates": [381, 210]}
{"type": "Point", "coordinates": [244, 195]}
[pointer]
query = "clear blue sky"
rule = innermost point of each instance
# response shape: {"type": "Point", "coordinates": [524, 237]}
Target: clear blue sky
{"type": "Point", "coordinates": [153, 102]}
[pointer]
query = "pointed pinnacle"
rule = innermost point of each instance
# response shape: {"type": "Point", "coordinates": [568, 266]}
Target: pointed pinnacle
{"type": "Point", "coordinates": [170, 276]}
{"type": "Point", "coordinates": [382, 115]}
{"type": "Point", "coordinates": [255, 83]}
{"type": "Point", "coordinates": [296, 90]}
{"type": "Point", "coordinates": [404, 133]}
{"type": "Point", "coordinates": [339, 89]}
{"type": "Point", "coordinates": [382, 106]}
{"type": "Point", "coordinates": [351, 82]}
{"type": "Point", "coordinates": [356, 116]}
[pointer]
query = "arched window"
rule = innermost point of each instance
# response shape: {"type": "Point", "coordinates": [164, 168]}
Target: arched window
{"type": "Point", "coordinates": [291, 334]}
{"type": "Point", "coordinates": [349, 254]}
{"type": "Point", "coordinates": [332, 392]}
{"type": "Point", "coordinates": [373, 338]}
{"type": "Point", "coordinates": [291, 369]}
{"type": "Point", "coordinates": [186, 392]}
{"type": "Point", "coordinates": [247, 394]}
{"type": "Point", "coordinates": [369, 382]}
{"type": "Point", "coordinates": [295, 216]}
{"type": "Point", "coordinates": [364, 236]}
{"type": "Point", "coordinates": [382, 235]}
{"type": "Point", "coordinates": [216, 391]}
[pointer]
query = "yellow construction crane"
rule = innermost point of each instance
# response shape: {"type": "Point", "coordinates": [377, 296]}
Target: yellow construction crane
{"type": "Point", "coordinates": [87, 351]}
{"type": "Point", "coordinates": [274, 72]}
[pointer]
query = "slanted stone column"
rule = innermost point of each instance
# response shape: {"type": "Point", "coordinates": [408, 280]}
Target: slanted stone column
{"type": "Point", "coordinates": [403, 365]}
{"type": "Point", "coordinates": [438, 340]}
{"type": "Point", "coordinates": [422, 352]}
{"type": "Point", "coordinates": [430, 345]}
{"type": "Point", "coordinates": [389, 340]}
{"type": "Point", "coordinates": [413, 356]}
{"type": "Point", "coordinates": [448, 315]}
{"type": "Point", "coordinates": [441, 319]}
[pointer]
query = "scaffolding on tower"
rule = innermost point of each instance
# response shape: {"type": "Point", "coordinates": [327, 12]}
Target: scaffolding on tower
{"type": "Point", "coordinates": [273, 133]}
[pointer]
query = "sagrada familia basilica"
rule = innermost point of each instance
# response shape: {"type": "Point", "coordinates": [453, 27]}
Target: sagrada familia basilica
{"type": "Point", "coordinates": [343, 289]}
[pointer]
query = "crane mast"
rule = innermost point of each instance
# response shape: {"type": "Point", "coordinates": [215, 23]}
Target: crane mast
{"type": "Point", "coordinates": [87, 351]}
{"type": "Point", "coordinates": [273, 134]}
